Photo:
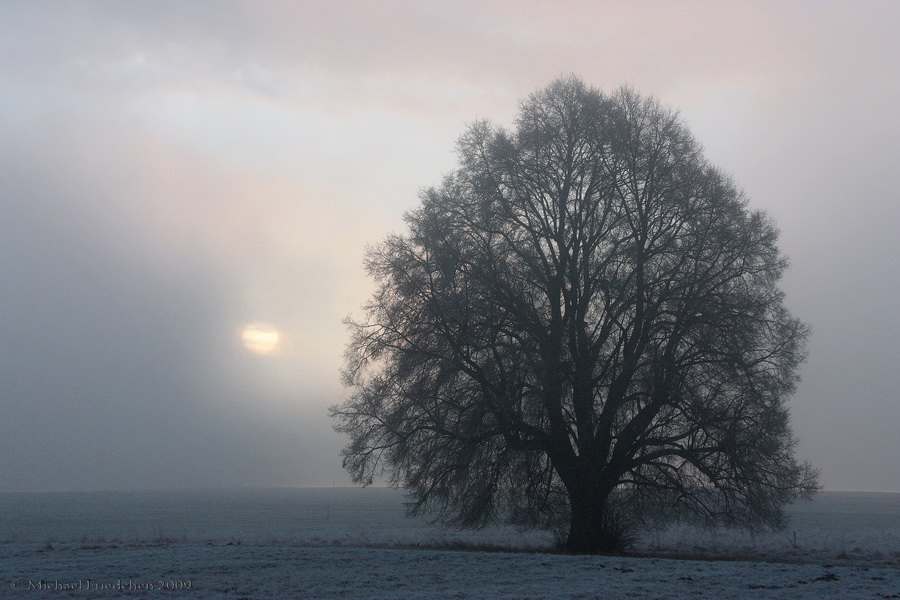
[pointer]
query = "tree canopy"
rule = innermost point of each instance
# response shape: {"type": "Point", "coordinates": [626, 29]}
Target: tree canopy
{"type": "Point", "coordinates": [582, 330]}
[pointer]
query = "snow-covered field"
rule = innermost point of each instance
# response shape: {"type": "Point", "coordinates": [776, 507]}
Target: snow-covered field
{"type": "Point", "coordinates": [353, 543]}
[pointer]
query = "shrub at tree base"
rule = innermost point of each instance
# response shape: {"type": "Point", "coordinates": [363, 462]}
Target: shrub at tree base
{"type": "Point", "coordinates": [580, 331]}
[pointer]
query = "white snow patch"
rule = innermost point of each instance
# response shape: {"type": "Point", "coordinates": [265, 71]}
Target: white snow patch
{"type": "Point", "coordinates": [357, 544]}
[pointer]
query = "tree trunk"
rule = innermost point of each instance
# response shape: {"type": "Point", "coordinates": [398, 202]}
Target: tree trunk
{"type": "Point", "coordinates": [593, 525]}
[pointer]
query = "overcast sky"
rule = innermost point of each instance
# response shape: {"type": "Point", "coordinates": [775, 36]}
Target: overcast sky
{"type": "Point", "coordinates": [173, 172]}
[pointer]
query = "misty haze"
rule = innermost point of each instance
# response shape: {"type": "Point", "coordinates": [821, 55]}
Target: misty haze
{"type": "Point", "coordinates": [251, 251]}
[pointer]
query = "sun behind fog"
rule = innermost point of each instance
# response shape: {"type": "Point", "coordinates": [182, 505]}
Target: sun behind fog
{"type": "Point", "coordinates": [260, 339]}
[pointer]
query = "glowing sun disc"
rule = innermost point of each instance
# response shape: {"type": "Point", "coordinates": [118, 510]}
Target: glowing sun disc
{"type": "Point", "coordinates": [259, 339]}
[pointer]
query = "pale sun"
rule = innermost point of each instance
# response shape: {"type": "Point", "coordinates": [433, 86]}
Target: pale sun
{"type": "Point", "coordinates": [260, 339]}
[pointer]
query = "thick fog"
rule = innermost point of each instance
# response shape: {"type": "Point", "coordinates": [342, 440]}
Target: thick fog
{"type": "Point", "coordinates": [173, 173]}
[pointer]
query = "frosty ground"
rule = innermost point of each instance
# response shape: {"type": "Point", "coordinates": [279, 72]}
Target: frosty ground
{"type": "Point", "coordinates": [356, 544]}
{"type": "Point", "coordinates": [267, 571]}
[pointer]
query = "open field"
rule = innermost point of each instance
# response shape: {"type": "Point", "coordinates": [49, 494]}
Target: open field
{"type": "Point", "coordinates": [350, 543]}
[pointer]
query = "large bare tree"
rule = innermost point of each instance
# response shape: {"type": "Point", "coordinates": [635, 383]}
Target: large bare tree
{"type": "Point", "coordinates": [581, 329]}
